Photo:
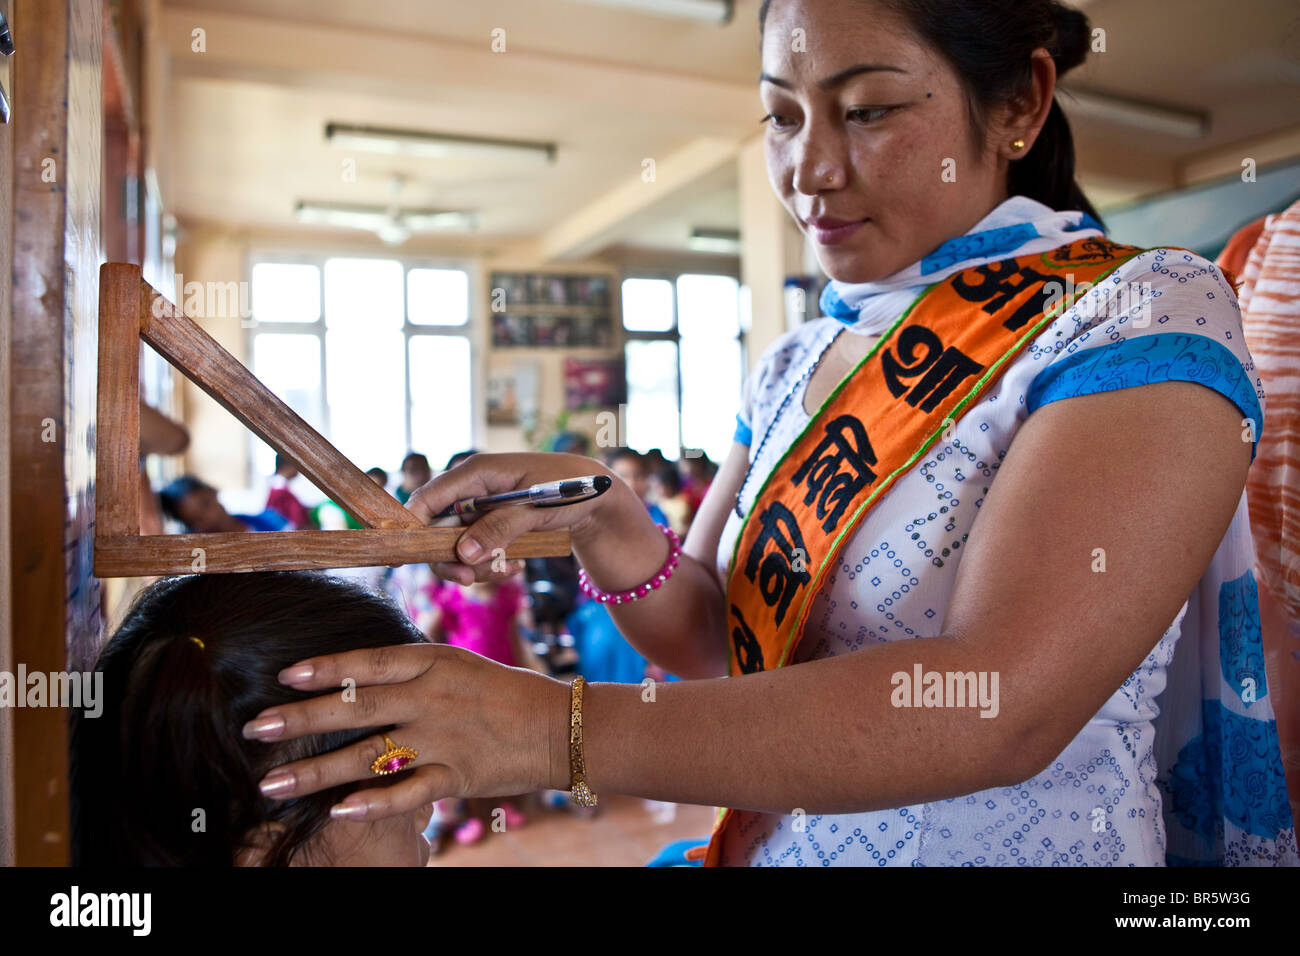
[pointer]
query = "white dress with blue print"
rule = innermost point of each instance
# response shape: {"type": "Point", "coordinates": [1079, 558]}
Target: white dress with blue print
{"type": "Point", "coordinates": [1181, 764]}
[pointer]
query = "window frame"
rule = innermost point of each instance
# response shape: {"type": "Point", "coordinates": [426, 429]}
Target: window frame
{"type": "Point", "coordinates": [674, 334]}
{"type": "Point", "coordinates": [471, 329]}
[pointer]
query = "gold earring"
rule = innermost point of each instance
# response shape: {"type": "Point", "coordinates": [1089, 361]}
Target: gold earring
{"type": "Point", "coordinates": [1017, 144]}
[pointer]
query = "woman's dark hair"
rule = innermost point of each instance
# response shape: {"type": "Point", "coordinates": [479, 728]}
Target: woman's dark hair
{"type": "Point", "coordinates": [670, 479]}
{"type": "Point", "coordinates": [988, 43]}
{"type": "Point", "coordinates": [171, 497]}
{"type": "Point", "coordinates": [163, 776]}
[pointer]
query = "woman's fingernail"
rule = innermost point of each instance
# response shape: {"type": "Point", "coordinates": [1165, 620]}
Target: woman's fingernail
{"type": "Point", "coordinates": [470, 550]}
{"type": "Point", "coordinates": [268, 727]}
{"type": "Point", "coordinates": [297, 674]}
{"type": "Point", "coordinates": [277, 782]}
{"type": "Point", "coordinates": [349, 809]}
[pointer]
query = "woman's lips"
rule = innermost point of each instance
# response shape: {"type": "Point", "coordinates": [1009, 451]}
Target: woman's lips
{"type": "Point", "coordinates": [830, 232]}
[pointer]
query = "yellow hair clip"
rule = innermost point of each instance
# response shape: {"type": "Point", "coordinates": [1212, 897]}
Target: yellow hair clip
{"type": "Point", "coordinates": [202, 646]}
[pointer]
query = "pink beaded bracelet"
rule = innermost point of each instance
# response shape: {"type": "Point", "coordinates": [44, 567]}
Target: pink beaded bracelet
{"type": "Point", "coordinates": [656, 580]}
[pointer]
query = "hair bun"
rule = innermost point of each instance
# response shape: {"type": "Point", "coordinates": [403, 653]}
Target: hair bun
{"type": "Point", "coordinates": [1073, 38]}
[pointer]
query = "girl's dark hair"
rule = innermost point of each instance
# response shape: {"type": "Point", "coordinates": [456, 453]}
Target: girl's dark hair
{"type": "Point", "coordinates": [163, 776]}
{"type": "Point", "coordinates": [988, 43]}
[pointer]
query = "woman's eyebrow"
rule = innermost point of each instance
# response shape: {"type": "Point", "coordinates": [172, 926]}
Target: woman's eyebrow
{"type": "Point", "coordinates": [837, 79]}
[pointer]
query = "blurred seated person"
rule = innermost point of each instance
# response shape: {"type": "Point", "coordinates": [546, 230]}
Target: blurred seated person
{"type": "Point", "coordinates": [415, 474]}
{"type": "Point", "coordinates": [697, 474]}
{"type": "Point", "coordinates": [666, 489]}
{"type": "Point", "coordinates": [631, 466]}
{"type": "Point", "coordinates": [283, 501]}
{"type": "Point", "coordinates": [194, 504]}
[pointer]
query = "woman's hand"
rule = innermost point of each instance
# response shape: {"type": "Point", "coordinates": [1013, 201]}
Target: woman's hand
{"type": "Point", "coordinates": [486, 474]}
{"type": "Point", "coordinates": [482, 729]}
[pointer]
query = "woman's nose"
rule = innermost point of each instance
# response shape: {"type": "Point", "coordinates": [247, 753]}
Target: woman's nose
{"type": "Point", "coordinates": [818, 167]}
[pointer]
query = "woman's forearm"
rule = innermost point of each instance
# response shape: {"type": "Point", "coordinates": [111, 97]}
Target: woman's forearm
{"type": "Point", "coordinates": [679, 626]}
{"type": "Point", "coordinates": [823, 736]}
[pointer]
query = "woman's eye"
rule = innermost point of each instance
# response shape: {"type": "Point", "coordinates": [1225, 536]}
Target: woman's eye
{"type": "Point", "coordinates": [871, 114]}
{"type": "Point", "coordinates": [776, 120]}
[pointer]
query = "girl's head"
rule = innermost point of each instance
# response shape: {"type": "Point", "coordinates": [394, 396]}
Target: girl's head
{"type": "Point", "coordinates": [164, 777]}
{"type": "Point", "coordinates": [902, 116]}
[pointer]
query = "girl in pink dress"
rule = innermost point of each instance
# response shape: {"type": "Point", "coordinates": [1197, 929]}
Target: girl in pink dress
{"type": "Point", "coordinates": [481, 617]}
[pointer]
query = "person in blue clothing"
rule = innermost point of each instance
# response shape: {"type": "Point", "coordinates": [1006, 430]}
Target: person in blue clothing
{"type": "Point", "coordinates": [194, 504]}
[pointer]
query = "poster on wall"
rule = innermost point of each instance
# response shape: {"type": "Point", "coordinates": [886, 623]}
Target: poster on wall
{"type": "Point", "coordinates": [512, 397]}
{"type": "Point", "coordinates": [594, 383]}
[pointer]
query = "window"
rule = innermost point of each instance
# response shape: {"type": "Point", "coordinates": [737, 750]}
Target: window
{"type": "Point", "coordinates": [373, 353]}
{"type": "Point", "coordinates": [685, 362]}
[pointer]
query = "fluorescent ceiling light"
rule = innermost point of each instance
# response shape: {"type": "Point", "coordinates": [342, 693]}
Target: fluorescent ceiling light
{"type": "Point", "coordinates": [387, 223]}
{"type": "Point", "coordinates": [706, 11]}
{"type": "Point", "coordinates": [715, 240]}
{"type": "Point", "coordinates": [406, 142]}
{"type": "Point", "coordinates": [1151, 117]}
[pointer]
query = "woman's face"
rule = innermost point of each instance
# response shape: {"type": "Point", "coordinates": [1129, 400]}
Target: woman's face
{"type": "Point", "coordinates": [864, 121]}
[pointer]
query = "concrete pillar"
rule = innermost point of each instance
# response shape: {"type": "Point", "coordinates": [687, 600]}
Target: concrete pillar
{"type": "Point", "coordinates": [772, 250]}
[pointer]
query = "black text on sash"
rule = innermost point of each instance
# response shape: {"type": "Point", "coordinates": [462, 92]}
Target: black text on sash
{"type": "Point", "coordinates": [784, 570]}
{"type": "Point", "coordinates": [944, 369]}
{"type": "Point", "coordinates": [749, 653]}
{"type": "Point", "coordinates": [999, 283]}
{"type": "Point", "coordinates": [837, 470]}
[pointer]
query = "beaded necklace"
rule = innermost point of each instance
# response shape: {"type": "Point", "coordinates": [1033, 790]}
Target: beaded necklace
{"type": "Point", "coordinates": [777, 417]}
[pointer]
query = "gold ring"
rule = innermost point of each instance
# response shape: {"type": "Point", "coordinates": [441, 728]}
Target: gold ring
{"type": "Point", "coordinates": [393, 759]}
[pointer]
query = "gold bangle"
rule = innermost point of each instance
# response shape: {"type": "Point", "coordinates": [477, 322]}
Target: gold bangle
{"type": "Point", "coordinates": [578, 788]}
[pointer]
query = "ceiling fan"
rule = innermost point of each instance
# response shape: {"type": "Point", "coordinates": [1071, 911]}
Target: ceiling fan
{"type": "Point", "coordinates": [391, 223]}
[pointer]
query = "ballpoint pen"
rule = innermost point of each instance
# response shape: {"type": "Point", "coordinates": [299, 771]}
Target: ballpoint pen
{"type": "Point", "coordinates": [566, 491]}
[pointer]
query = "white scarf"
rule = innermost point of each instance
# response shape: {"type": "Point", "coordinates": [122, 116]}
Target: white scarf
{"type": "Point", "coordinates": [1019, 226]}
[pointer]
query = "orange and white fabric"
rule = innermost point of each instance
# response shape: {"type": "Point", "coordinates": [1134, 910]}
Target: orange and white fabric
{"type": "Point", "coordinates": [1269, 296]}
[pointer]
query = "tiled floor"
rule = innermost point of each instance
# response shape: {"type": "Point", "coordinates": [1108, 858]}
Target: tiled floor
{"type": "Point", "coordinates": [623, 832]}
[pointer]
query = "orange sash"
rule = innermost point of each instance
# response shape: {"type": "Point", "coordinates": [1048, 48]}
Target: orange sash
{"type": "Point", "coordinates": [922, 375]}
